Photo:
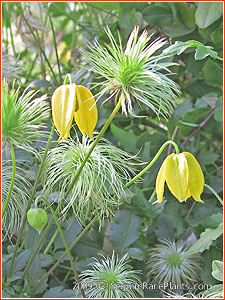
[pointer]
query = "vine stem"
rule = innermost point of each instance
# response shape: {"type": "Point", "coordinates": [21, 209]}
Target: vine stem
{"type": "Point", "coordinates": [63, 239]}
{"type": "Point", "coordinates": [31, 199]}
{"type": "Point", "coordinates": [36, 40]}
{"type": "Point", "coordinates": [199, 128]}
{"type": "Point", "coordinates": [64, 254]}
{"type": "Point", "coordinates": [152, 162]}
{"type": "Point", "coordinates": [214, 193]}
{"type": "Point", "coordinates": [12, 179]}
{"type": "Point", "coordinates": [96, 217]}
{"type": "Point", "coordinates": [54, 40]}
{"type": "Point", "coordinates": [104, 128]}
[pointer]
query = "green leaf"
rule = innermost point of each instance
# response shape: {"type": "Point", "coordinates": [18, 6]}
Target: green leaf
{"type": "Point", "coordinates": [206, 239]}
{"type": "Point", "coordinates": [57, 8]}
{"type": "Point", "coordinates": [21, 260]}
{"type": "Point", "coordinates": [177, 30]}
{"type": "Point", "coordinates": [217, 36]}
{"type": "Point", "coordinates": [90, 244]}
{"type": "Point", "coordinates": [105, 5]}
{"type": "Point", "coordinates": [207, 157]}
{"type": "Point", "coordinates": [59, 292]}
{"type": "Point", "coordinates": [216, 290]}
{"type": "Point", "coordinates": [202, 52]}
{"type": "Point", "coordinates": [217, 270]}
{"type": "Point", "coordinates": [136, 253]}
{"type": "Point", "coordinates": [213, 73]}
{"type": "Point", "coordinates": [125, 229]}
{"type": "Point", "coordinates": [157, 15]}
{"type": "Point", "coordinates": [73, 228]}
{"type": "Point", "coordinates": [186, 13]}
{"type": "Point", "coordinates": [42, 83]}
{"type": "Point", "coordinates": [192, 119]}
{"type": "Point", "coordinates": [207, 13]}
{"type": "Point", "coordinates": [213, 221]}
{"type": "Point", "coordinates": [127, 139]}
{"type": "Point", "coordinates": [208, 257]}
{"type": "Point", "coordinates": [218, 115]}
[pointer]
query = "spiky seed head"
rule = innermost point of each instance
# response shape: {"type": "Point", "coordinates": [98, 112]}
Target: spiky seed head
{"type": "Point", "coordinates": [11, 221]}
{"type": "Point", "coordinates": [111, 278]}
{"type": "Point", "coordinates": [134, 73]}
{"type": "Point", "coordinates": [99, 188]}
{"type": "Point", "coordinates": [169, 262]}
{"type": "Point", "coordinates": [24, 118]}
{"type": "Point", "coordinates": [11, 67]}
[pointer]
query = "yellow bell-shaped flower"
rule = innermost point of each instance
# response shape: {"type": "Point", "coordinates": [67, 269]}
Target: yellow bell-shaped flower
{"type": "Point", "coordinates": [74, 101]}
{"type": "Point", "coordinates": [183, 176]}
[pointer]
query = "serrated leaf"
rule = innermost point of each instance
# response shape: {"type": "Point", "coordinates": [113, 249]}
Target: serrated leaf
{"type": "Point", "coordinates": [217, 270]}
{"type": "Point", "coordinates": [206, 239]}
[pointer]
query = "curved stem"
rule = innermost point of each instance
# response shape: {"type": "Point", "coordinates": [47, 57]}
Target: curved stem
{"type": "Point", "coordinates": [54, 40]}
{"type": "Point", "coordinates": [63, 239]}
{"type": "Point", "coordinates": [12, 179]}
{"type": "Point", "coordinates": [36, 40]}
{"type": "Point", "coordinates": [31, 199]}
{"type": "Point", "coordinates": [152, 162]}
{"type": "Point", "coordinates": [64, 254]}
{"type": "Point", "coordinates": [68, 76]}
{"type": "Point", "coordinates": [190, 210]}
{"type": "Point", "coordinates": [214, 193]}
{"type": "Point", "coordinates": [104, 128]}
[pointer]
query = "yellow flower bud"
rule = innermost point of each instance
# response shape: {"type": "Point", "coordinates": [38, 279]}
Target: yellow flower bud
{"type": "Point", "coordinates": [183, 176]}
{"type": "Point", "coordinates": [71, 100]}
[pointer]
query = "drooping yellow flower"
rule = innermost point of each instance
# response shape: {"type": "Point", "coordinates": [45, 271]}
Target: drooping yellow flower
{"type": "Point", "coordinates": [183, 176]}
{"type": "Point", "coordinates": [71, 100]}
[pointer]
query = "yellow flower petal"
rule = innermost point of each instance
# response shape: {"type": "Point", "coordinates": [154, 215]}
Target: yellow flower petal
{"type": "Point", "coordinates": [188, 195]}
{"type": "Point", "coordinates": [87, 115]}
{"type": "Point", "coordinates": [63, 106]}
{"type": "Point", "coordinates": [196, 177]}
{"type": "Point", "coordinates": [176, 171]}
{"type": "Point", "coordinates": [160, 182]}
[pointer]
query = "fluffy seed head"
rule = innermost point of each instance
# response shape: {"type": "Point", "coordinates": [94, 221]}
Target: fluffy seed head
{"type": "Point", "coordinates": [134, 73]}
{"type": "Point", "coordinates": [111, 278]}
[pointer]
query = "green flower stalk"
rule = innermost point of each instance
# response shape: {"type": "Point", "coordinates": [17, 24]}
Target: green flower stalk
{"type": "Point", "coordinates": [11, 221]}
{"type": "Point", "coordinates": [134, 74]}
{"type": "Point", "coordinates": [111, 278]}
{"type": "Point", "coordinates": [23, 117]}
{"type": "Point", "coordinates": [168, 262]}
{"type": "Point", "coordinates": [99, 189]}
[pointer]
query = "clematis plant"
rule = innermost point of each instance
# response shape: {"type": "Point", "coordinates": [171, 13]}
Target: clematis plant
{"type": "Point", "coordinates": [74, 101]}
{"type": "Point", "coordinates": [183, 176]}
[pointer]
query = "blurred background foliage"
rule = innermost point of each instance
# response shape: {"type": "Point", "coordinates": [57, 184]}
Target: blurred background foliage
{"type": "Point", "coordinates": [138, 225]}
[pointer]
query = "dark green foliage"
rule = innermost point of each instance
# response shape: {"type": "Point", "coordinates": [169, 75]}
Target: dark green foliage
{"type": "Point", "coordinates": [195, 32]}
